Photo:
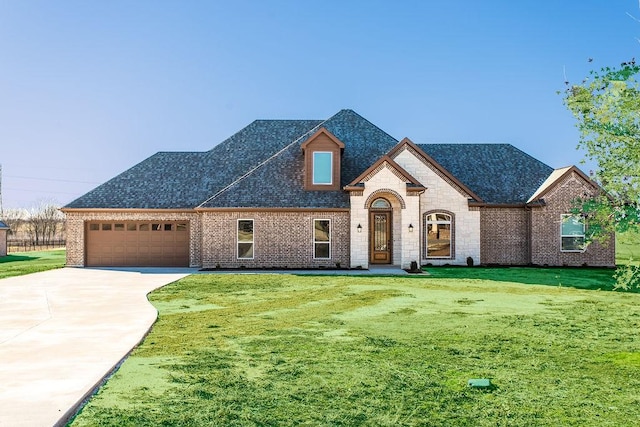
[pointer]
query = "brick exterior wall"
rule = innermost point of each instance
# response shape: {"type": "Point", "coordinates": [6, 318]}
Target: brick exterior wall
{"type": "Point", "coordinates": [504, 236]}
{"type": "Point", "coordinates": [3, 242]}
{"type": "Point", "coordinates": [545, 222]}
{"type": "Point", "coordinates": [284, 239]}
{"type": "Point", "coordinates": [76, 230]}
{"type": "Point", "coordinates": [281, 239]}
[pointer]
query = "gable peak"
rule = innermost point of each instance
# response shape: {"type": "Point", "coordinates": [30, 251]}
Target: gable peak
{"type": "Point", "coordinates": [320, 132]}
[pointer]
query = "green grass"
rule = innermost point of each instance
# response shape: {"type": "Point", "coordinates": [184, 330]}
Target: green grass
{"type": "Point", "coordinates": [627, 248]}
{"type": "Point", "coordinates": [581, 278]}
{"type": "Point", "coordinates": [282, 350]}
{"type": "Point", "coordinates": [31, 262]}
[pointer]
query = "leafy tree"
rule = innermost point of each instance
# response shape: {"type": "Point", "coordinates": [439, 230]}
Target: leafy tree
{"type": "Point", "coordinates": [607, 108]}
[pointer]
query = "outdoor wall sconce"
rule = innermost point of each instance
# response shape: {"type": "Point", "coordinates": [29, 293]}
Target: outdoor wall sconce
{"type": "Point", "coordinates": [410, 228]}
{"type": "Point", "coordinates": [359, 227]}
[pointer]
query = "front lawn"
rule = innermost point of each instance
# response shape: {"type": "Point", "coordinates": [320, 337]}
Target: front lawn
{"type": "Point", "coordinates": [283, 350]}
{"type": "Point", "coordinates": [18, 264]}
{"type": "Point", "coordinates": [581, 278]}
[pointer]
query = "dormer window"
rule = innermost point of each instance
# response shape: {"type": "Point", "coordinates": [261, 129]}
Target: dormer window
{"type": "Point", "coordinates": [322, 168]}
{"type": "Point", "coordinates": [322, 157]}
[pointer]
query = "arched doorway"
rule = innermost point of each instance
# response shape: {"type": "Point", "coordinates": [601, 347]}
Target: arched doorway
{"type": "Point", "coordinates": [380, 232]}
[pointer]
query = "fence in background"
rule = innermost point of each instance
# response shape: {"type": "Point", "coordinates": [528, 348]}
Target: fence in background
{"type": "Point", "coordinates": [14, 246]}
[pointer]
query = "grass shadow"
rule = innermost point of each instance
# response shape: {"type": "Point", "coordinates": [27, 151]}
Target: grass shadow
{"type": "Point", "coordinates": [579, 278]}
{"type": "Point", "coordinates": [15, 258]}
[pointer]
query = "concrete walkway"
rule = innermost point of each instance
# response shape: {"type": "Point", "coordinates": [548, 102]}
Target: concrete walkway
{"type": "Point", "coordinates": [62, 331]}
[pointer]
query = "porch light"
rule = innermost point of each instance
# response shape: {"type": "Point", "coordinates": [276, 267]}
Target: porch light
{"type": "Point", "coordinates": [359, 228]}
{"type": "Point", "coordinates": [410, 228]}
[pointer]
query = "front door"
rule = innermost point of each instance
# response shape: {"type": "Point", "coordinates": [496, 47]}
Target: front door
{"type": "Point", "coordinates": [380, 238]}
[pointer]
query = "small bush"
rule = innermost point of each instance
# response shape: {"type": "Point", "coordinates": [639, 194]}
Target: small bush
{"type": "Point", "coordinates": [414, 267]}
{"type": "Point", "coordinates": [469, 261]}
{"type": "Point", "coordinates": [627, 277]}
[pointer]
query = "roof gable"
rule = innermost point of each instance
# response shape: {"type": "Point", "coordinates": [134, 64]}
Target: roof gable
{"type": "Point", "coordinates": [556, 177]}
{"type": "Point", "coordinates": [407, 144]}
{"type": "Point", "coordinates": [388, 163]}
{"type": "Point", "coordinates": [320, 132]}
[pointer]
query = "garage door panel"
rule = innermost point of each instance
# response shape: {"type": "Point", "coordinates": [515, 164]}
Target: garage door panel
{"type": "Point", "coordinates": [137, 243]}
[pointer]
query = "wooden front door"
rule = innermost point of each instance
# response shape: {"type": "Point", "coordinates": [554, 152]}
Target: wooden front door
{"type": "Point", "coordinates": [380, 237]}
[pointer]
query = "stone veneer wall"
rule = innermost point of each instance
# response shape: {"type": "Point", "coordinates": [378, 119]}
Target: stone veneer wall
{"type": "Point", "coordinates": [441, 195]}
{"type": "Point", "coordinates": [545, 224]}
{"type": "Point", "coordinates": [75, 230]}
{"type": "Point", "coordinates": [281, 239]}
{"type": "Point", "coordinates": [405, 210]}
{"type": "Point", "coordinates": [504, 236]}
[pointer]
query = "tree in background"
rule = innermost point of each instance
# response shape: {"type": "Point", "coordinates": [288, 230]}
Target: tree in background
{"type": "Point", "coordinates": [44, 223]}
{"type": "Point", "coordinates": [607, 108]}
{"type": "Point", "coordinates": [41, 224]}
{"type": "Point", "coordinates": [15, 219]}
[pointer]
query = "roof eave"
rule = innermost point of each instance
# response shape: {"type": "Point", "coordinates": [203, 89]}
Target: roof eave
{"type": "Point", "coordinates": [478, 204]}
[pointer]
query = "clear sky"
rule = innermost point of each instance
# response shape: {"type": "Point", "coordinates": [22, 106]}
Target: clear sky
{"type": "Point", "coordinates": [90, 88]}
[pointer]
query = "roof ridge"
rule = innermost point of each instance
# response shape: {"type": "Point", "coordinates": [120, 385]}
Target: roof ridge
{"type": "Point", "coordinates": [259, 165]}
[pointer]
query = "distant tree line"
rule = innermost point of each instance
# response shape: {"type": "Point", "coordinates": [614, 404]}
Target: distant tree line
{"type": "Point", "coordinates": [41, 224]}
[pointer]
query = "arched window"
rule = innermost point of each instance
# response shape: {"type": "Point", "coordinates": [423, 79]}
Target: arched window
{"type": "Point", "coordinates": [380, 204]}
{"type": "Point", "coordinates": [438, 235]}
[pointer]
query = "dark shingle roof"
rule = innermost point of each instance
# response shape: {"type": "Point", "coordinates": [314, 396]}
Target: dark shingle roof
{"type": "Point", "coordinates": [280, 182]}
{"type": "Point", "coordinates": [263, 166]}
{"type": "Point", "coordinates": [498, 173]}
{"type": "Point", "coordinates": [184, 180]}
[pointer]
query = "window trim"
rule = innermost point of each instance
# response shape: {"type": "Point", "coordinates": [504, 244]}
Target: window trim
{"type": "Point", "coordinates": [452, 232]}
{"type": "Point", "coordinates": [253, 238]}
{"type": "Point", "coordinates": [313, 166]}
{"type": "Point", "coordinates": [562, 236]}
{"type": "Point", "coordinates": [314, 241]}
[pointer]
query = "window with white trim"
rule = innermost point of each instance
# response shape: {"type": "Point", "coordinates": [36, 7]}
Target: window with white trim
{"type": "Point", "coordinates": [322, 168]}
{"type": "Point", "coordinates": [321, 239]}
{"type": "Point", "coordinates": [438, 235]}
{"type": "Point", "coordinates": [245, 239]}
{"type": "Point", "coordinates": [572, 233]}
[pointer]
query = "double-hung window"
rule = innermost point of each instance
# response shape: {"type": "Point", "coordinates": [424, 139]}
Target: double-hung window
{"type": "Point", "coordinates": [321, 238]}
{"type": "Point", "coordinates": [322, 168]}
{"type": "Point", "coordinates": [572, 233]}
{"type": "Point", "coordinates": [245, 238]}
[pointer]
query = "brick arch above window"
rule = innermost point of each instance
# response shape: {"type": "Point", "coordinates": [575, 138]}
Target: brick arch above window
{"type": "Point", "coordinates": [384, 192]}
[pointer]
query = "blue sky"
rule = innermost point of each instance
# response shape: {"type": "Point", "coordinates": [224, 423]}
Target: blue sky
{"type": "Point", "coordinates": [90, 88]}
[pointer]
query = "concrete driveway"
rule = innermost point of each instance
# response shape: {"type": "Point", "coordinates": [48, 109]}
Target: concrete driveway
{"type": "Point", "coordinates": [62, 331]}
